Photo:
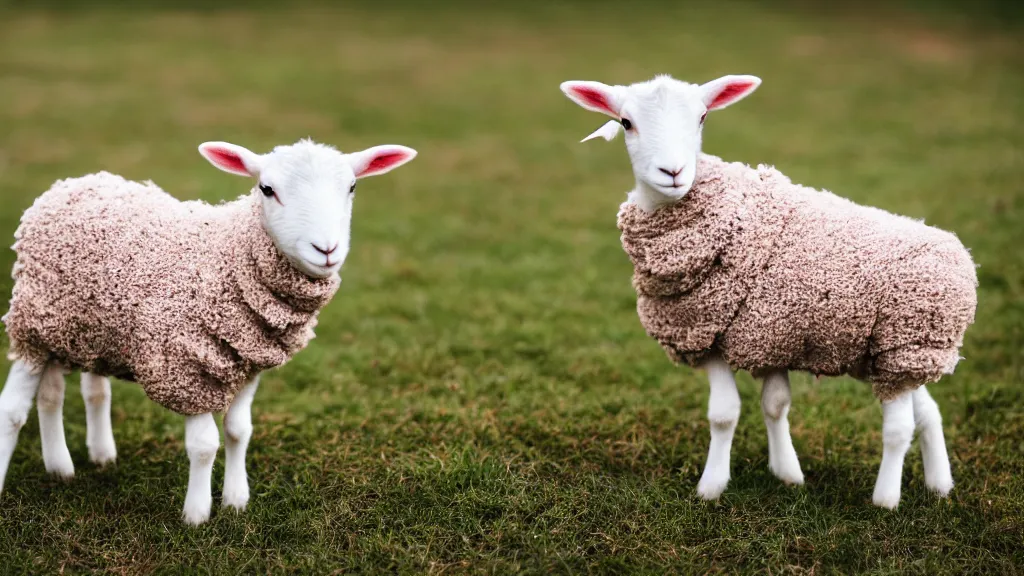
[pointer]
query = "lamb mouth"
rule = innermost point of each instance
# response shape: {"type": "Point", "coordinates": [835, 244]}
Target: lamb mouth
{"type": "Point", "coordinates": [672, 188]}
{"type": "Point", "coordinates": [326, 267]}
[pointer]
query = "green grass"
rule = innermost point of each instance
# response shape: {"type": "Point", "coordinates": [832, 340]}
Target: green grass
{"type": "Point", "coordinates": [481, 396]}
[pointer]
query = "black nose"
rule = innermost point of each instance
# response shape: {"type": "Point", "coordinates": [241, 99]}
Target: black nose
{"type": "Point", "coordinates": [672, 173]}
{"type": "Point", "coordinates": [325, 252]}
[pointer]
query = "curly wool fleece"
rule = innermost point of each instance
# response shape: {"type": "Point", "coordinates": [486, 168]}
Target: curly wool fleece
{"type": "Point", "coordinates": [773, 275]}
{"type": "Point", "coordinates": [192, 301]}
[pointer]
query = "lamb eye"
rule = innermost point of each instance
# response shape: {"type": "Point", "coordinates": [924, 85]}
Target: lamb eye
{"type": "Point", "coordinates": [352, 190]}
{"type": "Point", "coordinates": [267, 190]}
{"type": "Point", "coordinates": [703, 116]}
{"type": "Point", "coordinates": [627, 124]}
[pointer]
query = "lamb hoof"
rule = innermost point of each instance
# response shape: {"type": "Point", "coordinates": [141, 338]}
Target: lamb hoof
{"type": "Point", "coordinates": [940, 486]}
{"type": "Point", "coordinates": [711, 486]}
{"type": "Point", "coordinates": [889, 499]}
{"type": "Point", "coordinates": [236, 500]}
{"type": "Point", "coordinates": [61, 467]}
{"type": "Point", "coordinates": [103, 456]}
{"type": "Point", "coordinates": [64, 475]}
{"type": "Point", "coordinates": [194, 515]}
{"type": "Point", "coordinates": [788, 473]}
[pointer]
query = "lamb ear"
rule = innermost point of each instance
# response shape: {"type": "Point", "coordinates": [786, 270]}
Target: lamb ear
{"type": "Point", "coordinates": [594, 96]}
{"type": "Point", "coordinates": [231, 158]}
{"type": "Point", "coordinates": [609, 130]}
{"type": "Point", "coordinates": [727, 90]}
{"type": "Point", "coordinates": [380, 159]}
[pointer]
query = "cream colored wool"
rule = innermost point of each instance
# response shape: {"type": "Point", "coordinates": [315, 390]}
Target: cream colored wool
{"type": "Point", "coordinates": [192, 301]}
{"type": "Point", "coordinates": [774, 275]}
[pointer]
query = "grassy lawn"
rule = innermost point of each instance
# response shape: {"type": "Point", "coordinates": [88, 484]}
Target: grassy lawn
{"type": "Point", "coordinates": [481, 396]}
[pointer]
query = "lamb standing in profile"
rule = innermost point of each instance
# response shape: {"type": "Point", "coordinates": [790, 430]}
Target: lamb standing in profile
{"type": "Point", "coordinates": [192, 301]}
{"type": "Point", "coordinates": [739, 268]}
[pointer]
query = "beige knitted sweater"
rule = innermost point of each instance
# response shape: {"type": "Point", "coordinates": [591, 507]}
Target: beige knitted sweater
{"type": "Point", "coordinates": [190, 300]}
{"type": "Point", "coordinates": [774, 275]}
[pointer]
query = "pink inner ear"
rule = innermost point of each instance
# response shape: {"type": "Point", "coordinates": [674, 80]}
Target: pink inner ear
{"type": "Point", "coordinates": [730, 93]}
{"type": "Point", "coordinates": [593, 98]}
{"type": "Point", "coordinates": [227, 159]}
{"type": "Point", "coordinates": [383, 162]}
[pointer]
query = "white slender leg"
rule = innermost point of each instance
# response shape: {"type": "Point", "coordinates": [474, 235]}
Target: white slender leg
{"type": "Point", "coordinates": [15, 402]}
{"type": "Point", "coordinates": [723, 413]}
{"type": "Point", "coordinates": [897, 433]}
{"type": "Point", "coordinates": [50, 405]}
{"type": "Point", "coordinates": [201, 444]}
{"type": "Point", "coordinates": [237, 431]}
{"type": "Point", "coordinates": [99, 433]}
{"type": "Point", "coordinates": [937, 474]}
{"type": "Point", "coordinates": [775, 402]}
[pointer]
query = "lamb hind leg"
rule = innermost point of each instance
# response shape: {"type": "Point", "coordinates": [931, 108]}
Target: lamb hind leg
{"type": "Point", "coordinates": [15, 402]}
{"type": "Point", "coordinates": [723, 414]}
{"type": "Point", "coordinates": [99, 434]}
{"type": "Point", "coordinates": [775, 402]}
{"type": "Point", "coordinates": [928, 420]}
{"type": "Point", "coordinates": [237, 431]}
{"type": "Point", "coordinates": [50, 405]}
{"type": "Point", "coordinates": [897, 433]}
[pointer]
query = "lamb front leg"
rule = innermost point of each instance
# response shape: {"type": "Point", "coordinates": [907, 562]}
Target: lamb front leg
{"type": "Point", "coordinates": [897, 433]}
{"type": "Point", "coordinates": [775, 402]}
{"type": "Point", "coordinates": [237, 431]}
{"type": "Point", "coordinates": [50, 405]}
{"type": "Point", "coordinates": [99, 433]}
{"type": "Point", "coordinates": [723, 413]}
{"type": "Point", "coordinates": [201, 443]}
{"type": "Point", "coordinates": [15, 403]}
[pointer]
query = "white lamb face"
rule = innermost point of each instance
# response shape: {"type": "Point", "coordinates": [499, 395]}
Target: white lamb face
{"type": "Point", "coordinates": [663, 119]}
{"type": "Point", "coordinates": [306, 190]}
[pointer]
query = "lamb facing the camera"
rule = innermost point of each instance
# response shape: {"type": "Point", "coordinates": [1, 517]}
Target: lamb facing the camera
{"type": "Point", "coordinates": [739, 268]}
{"type": "Point", "coordinates": [192, 301]}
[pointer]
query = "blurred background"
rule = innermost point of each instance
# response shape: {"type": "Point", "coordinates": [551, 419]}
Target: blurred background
{"type": "Point", "coordinates": [481, 396]}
